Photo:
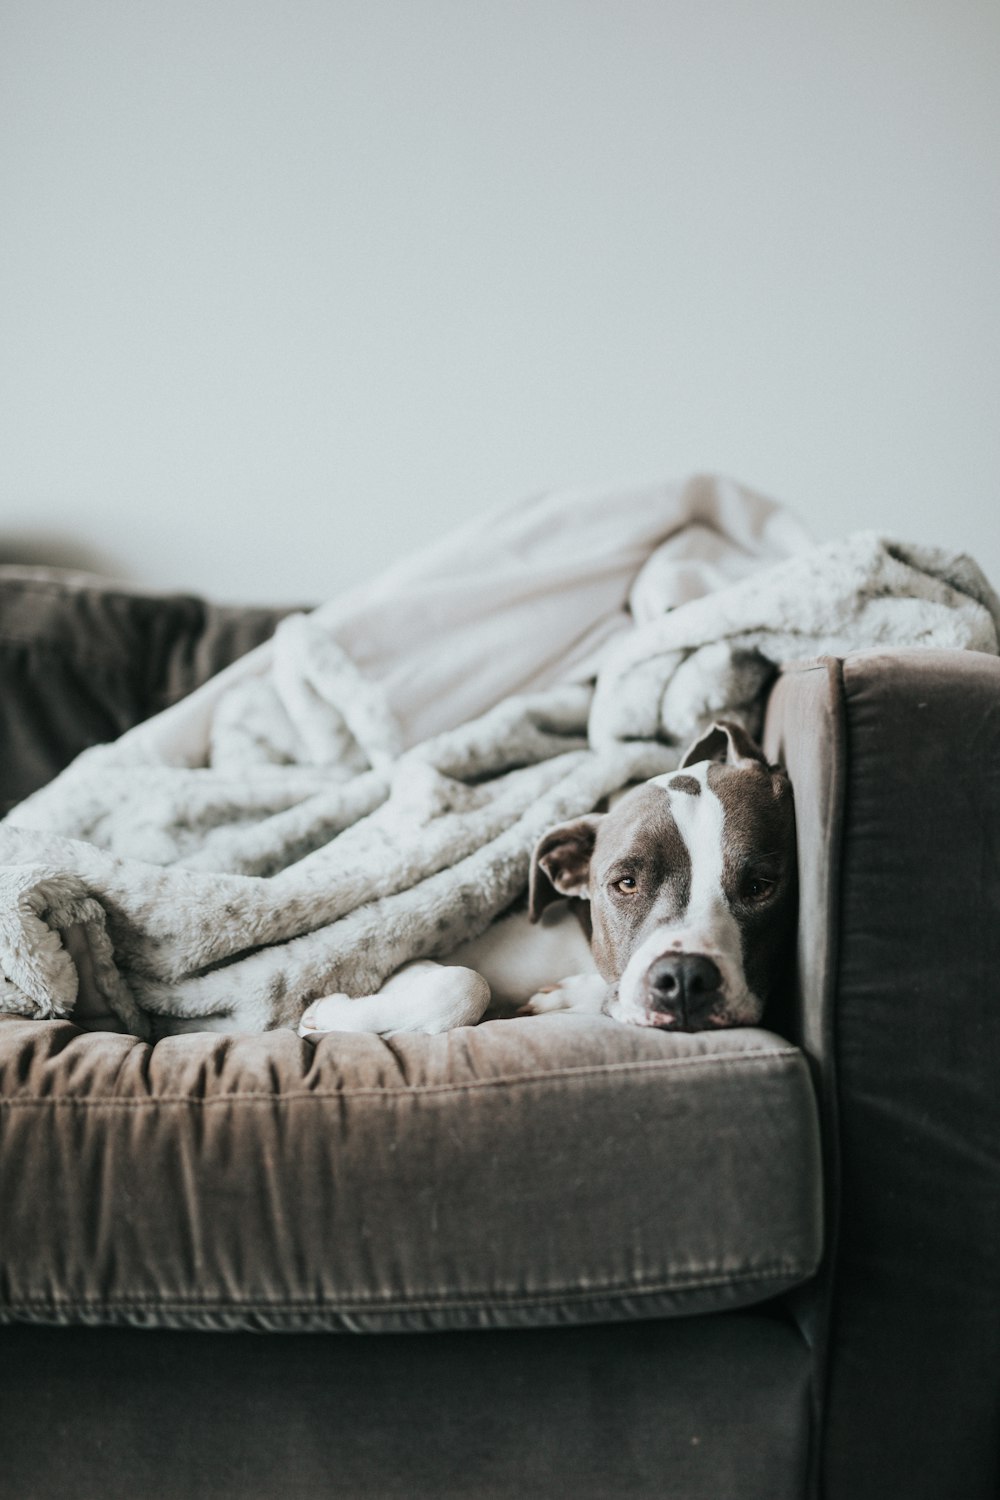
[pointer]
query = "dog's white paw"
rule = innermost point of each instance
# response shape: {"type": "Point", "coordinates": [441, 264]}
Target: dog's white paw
{"type": "Point", "coordinates": [551, 997]}
{"type": "Point", "coordinates": [580, 992]}
{"type": "Point", "coordinates": [333, 1013]}
{"type": "Point", "coordinates": [421, 996]}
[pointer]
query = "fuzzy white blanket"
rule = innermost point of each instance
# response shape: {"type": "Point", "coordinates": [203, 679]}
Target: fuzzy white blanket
{"type": "Point", "coordinates": [368, 787]}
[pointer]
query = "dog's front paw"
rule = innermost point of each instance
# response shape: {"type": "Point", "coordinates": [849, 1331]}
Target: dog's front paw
{"type": "Point", "coordinates": [580, 992]}
{"type": "Point", "coordinates": [332, 1013]}
{"type": "Point", "coordinates": [552, 997]}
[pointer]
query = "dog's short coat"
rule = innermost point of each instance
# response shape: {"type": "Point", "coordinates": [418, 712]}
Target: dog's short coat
{"type": "Point", "coordinates": [690, 886]}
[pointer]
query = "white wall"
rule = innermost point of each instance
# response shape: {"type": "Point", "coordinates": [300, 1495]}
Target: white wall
{"type": "Point", "coordinates": [288, 286]}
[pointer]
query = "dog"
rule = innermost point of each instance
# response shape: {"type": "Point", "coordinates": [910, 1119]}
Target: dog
{"type": "Point", "coordinates": [685, 893]}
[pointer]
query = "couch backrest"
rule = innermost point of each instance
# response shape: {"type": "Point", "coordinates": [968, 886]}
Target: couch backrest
{"type": "Point", "coordinates": [82, 660]}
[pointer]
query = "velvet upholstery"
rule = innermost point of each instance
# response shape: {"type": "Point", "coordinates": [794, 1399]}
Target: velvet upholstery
{"type": "Point", "coordinates": [895, 760]}
{"type": "Point", "coordinates": [553, 1169]}
{"type": "Point", "coordinates": [915, 1339]}
{"type": "Point", "coordinates": [81, 662]}
{"type": "Point", "coordinates": [708, 1408]}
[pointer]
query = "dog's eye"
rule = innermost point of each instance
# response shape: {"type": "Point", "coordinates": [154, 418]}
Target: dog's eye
{"type": "Point", "coordinates": [757, 888]}
{"type": "Point", "coordinates": [626, 884]}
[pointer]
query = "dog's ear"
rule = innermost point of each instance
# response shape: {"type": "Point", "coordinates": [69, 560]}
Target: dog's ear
{"type": "Point", "coordinates": [727, 742]}
{"type": "Point", "coordinates": [560, 865]}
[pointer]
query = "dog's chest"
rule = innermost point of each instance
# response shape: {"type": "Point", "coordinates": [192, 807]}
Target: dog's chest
{"type": "Point", "coordinates": [517, 957]}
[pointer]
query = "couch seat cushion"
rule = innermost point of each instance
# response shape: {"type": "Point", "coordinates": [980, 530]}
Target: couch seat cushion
{"type": "Point", "coordinates": [553, 1169]}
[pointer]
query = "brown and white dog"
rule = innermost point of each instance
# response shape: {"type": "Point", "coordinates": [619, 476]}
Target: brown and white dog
{"type": "Point", "coordinates": [689, 891]}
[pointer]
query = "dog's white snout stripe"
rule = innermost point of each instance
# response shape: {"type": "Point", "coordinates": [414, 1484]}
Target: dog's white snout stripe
{"type": "Point", "coordinates": [706, 926]}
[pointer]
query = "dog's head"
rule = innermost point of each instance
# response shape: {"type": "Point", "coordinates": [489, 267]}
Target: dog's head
{"type": "Point", "coordinates": [691, 884]}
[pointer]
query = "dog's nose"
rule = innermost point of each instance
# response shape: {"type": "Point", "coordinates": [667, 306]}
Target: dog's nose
{"type": "Point", "coordinates": [683, 983]}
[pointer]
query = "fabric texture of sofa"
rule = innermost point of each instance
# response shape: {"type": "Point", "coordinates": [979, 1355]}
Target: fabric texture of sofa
{"type": "Point", "coordinates": [543, 1256]}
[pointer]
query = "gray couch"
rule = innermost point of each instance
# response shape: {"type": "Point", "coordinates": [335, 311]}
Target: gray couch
{"type": "Point", "coordinates": [549, 1256]}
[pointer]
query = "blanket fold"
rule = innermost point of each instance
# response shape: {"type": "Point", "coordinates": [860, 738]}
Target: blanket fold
{"type": "Point", "coordinates": [57, 956]}
{"type": "Point", "coordinates": [304, 824]}
{"type": "Point", "coordinates": [717, 654]}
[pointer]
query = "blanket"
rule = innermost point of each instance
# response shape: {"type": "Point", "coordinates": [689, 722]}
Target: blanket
{"type": "Point", "coordinates": [368, 787]}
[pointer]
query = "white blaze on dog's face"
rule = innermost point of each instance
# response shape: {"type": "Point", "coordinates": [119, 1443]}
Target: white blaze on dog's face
{"type": "Point", "coordinates": [691, 883]}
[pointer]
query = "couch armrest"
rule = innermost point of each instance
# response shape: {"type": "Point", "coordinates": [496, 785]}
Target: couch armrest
{"type": "Point", "coordinates": [895, 760]}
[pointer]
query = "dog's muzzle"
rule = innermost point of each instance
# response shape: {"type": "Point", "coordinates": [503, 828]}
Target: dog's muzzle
{"type": "Point", "coordinates": [685, 989]}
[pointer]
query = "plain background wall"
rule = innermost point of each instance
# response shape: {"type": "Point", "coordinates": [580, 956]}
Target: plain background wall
{"type": "Point", "coordinates": [288, 286]}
